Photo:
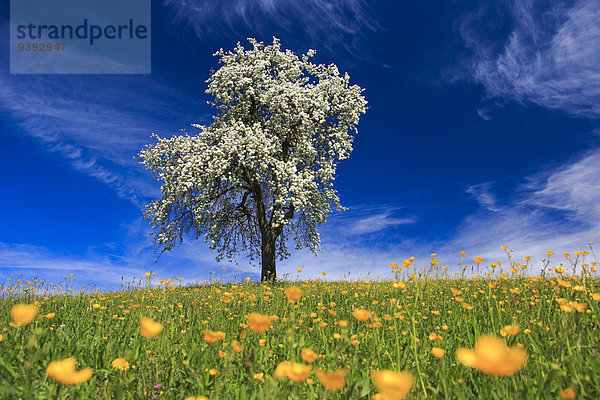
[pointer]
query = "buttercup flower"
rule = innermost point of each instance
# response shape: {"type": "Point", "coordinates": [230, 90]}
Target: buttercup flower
{"type": "Point", "coordinates": [437, 352]}
{"type": "Point", "coordinates": [211, 337]}
{"type": "Point", "coordinates": [361, 315]}
{"type": "Point", "coordinates": [333, 380]}
{"type": "Point", "coordinates": [393, 385]}
{"type": "Point", "coordinates": [293, 293]}
{"type": "Point", "coordinates": [512, 329]}
{"type": "Point", "coordinates": [120, 364]}
{"type": "Point", "coordinates": [293, 371]}
{"type": "Point", "coordinates": [64, 372]}
{"type": "Point", "coordinates": [493, 357]}
{"type": "Point", "coordinates": [259, 323]}
{"type": "Point", "coordinates": [308, 355]}
{"type": "Point", "coordinates": [236, 346]}
{"type": "Point", "coordinates": [23, 314]}
{"type": "Point", "coordinates": [150, 328]}
{"type": "Point", "coordinates": [568, 393]}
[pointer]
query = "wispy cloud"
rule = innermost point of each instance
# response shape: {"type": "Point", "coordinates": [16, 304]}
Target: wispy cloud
{"type": "Point", "coordinates": [334, 24]}
{"type": "Point", "coordinates": [573, 189]}
{"type": "Point", "coordinates": [376, 223]}
{"type": "Point", "coordinates": [484, 196]}
{"type": "Point", "coordinates": [556, 209]}
{"type": "Point", "coordinates": [30, 261]}
{"type": "Point", "coordinates": [97, 131]}
{"type": "Point", "coordinates": [549, 57]}
{"type": "Point", "coordinates": [553, 210]}
{"type": "Point", "coordinates": [367, 219]}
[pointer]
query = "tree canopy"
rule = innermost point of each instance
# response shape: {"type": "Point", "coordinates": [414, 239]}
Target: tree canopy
{"type": "Point", "coordinates": [262, 172]}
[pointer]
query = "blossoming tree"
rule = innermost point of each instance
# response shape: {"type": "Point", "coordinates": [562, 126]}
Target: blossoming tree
{"type": "Point", "coordinates": [263, 171]}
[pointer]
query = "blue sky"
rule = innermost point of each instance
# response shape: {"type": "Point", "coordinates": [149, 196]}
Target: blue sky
{"type": "Point", "coordinates": [483, 130]}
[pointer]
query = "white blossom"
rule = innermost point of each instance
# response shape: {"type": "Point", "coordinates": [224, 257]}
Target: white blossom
{"type": "Point", "coordinates": [263, 171]}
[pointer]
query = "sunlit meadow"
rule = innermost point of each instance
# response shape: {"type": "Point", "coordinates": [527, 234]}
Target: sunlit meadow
{"type": "Point", "coordinates": [490, 330]}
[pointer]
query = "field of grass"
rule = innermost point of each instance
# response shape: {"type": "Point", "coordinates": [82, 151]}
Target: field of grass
{"type": "Point", "coordinates": [161, 339]}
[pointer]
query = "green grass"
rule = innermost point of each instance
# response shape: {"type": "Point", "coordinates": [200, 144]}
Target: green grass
{"type": "Point", "coordinates": [562, 346]}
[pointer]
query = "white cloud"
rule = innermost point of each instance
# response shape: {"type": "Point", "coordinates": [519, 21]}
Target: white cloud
{"type": "Point", "coordinates": [30, 261]}
{"type": "Point", "coordinates": [97, 131]}
{"type": "Point", "coordinates": [550, 57]}
{"type": "Point", "coordinates": [366, 219]}
{"type": "Point", "coordinates": [483, 195]}
{"type": "Point", "coordinates": [335, 24]}
{"type": "Point", "coordinates": [554, 210]}
{"type": "Point", "coordinates": [574, 188]}
{"type": "Point", "coordinates": [376, 223]}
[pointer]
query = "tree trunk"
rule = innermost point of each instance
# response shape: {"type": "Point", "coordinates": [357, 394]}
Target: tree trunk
{"type": "Point", "coordinates": [269, 273]}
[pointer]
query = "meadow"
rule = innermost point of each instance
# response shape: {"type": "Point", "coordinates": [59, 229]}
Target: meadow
{"type": "Point", "coordinates": [488, 331]}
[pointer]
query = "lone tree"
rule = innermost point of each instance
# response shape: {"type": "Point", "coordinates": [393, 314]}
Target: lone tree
{"type": "Point", "coordinates": [264, 169]}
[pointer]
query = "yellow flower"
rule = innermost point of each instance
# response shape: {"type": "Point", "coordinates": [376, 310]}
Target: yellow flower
{"type": "Point", "coordinates": [120, 363]}
{"type": "Point", "coordinates": [549, 252]}
{"type": "Point", "coordinates": [1, 338]}
{"type": "Point", "coordinates": [504, 247]}
{"type": "Point", "coordinates": [23, 314]}
{"type": "Point", "coordinates": [213, 372]}
{"type": "Point", "coordinates": [282, 368]}
{"type": "Point", "coordinates": [563, 283]}
{"type": "Point", "coordinates": [478, 260]}
{"type": "Point", "coordinates": [512, 330]}
{"type": "Point", "coordinates": [147, 274]}
{"type": "Point", "coordinates": [293, 293]}
{"type": "Point", "coordinates": [463, 253]}
{"type": "Point", "coordinates": [566, 308]}
{"type": "Point", "coordinates": [259, 323]}
{"type": "Point", "coordinates": [295, 372]}
{"type": "Point", "coordinates": [259, 376]}
{"type": "Point", "coordinates": [308, 355]}
{"type": "Point", "coordinates": [580, 307]}
{"type": "Point", "coordinates": [393, 385]}
{"type": "Point", "coordinates": [437, 352]}
{"type": "Point", "coordinates": [236, 346]}
{"type": "Point", "coordinates": [595, 296]}
{"type": "Point", "coordinates": [579, 288]}
{"type": "Point", "coordinates": [50, 315]}
{"type": "Point", "coordinates": [211, 337]}
{"type": "Point", "coordinates": [436, 337]}
{"type": "Point", "coordinates": [64, 372]}
{"type": "Point", "coordinates": [196, 398]}
{"type": "Point", "coordinates": [559, 270]}
{"type": "Point", "coordinates": [333, 380]}
{"type": "Point", "coordinates": [568, 393]}
{"type": "Point", "coordinates": [361, 315]}
{"type": "Point", "coordinates": [493, 357]}
{"type": "Point", "coordinates": [150, 328]}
